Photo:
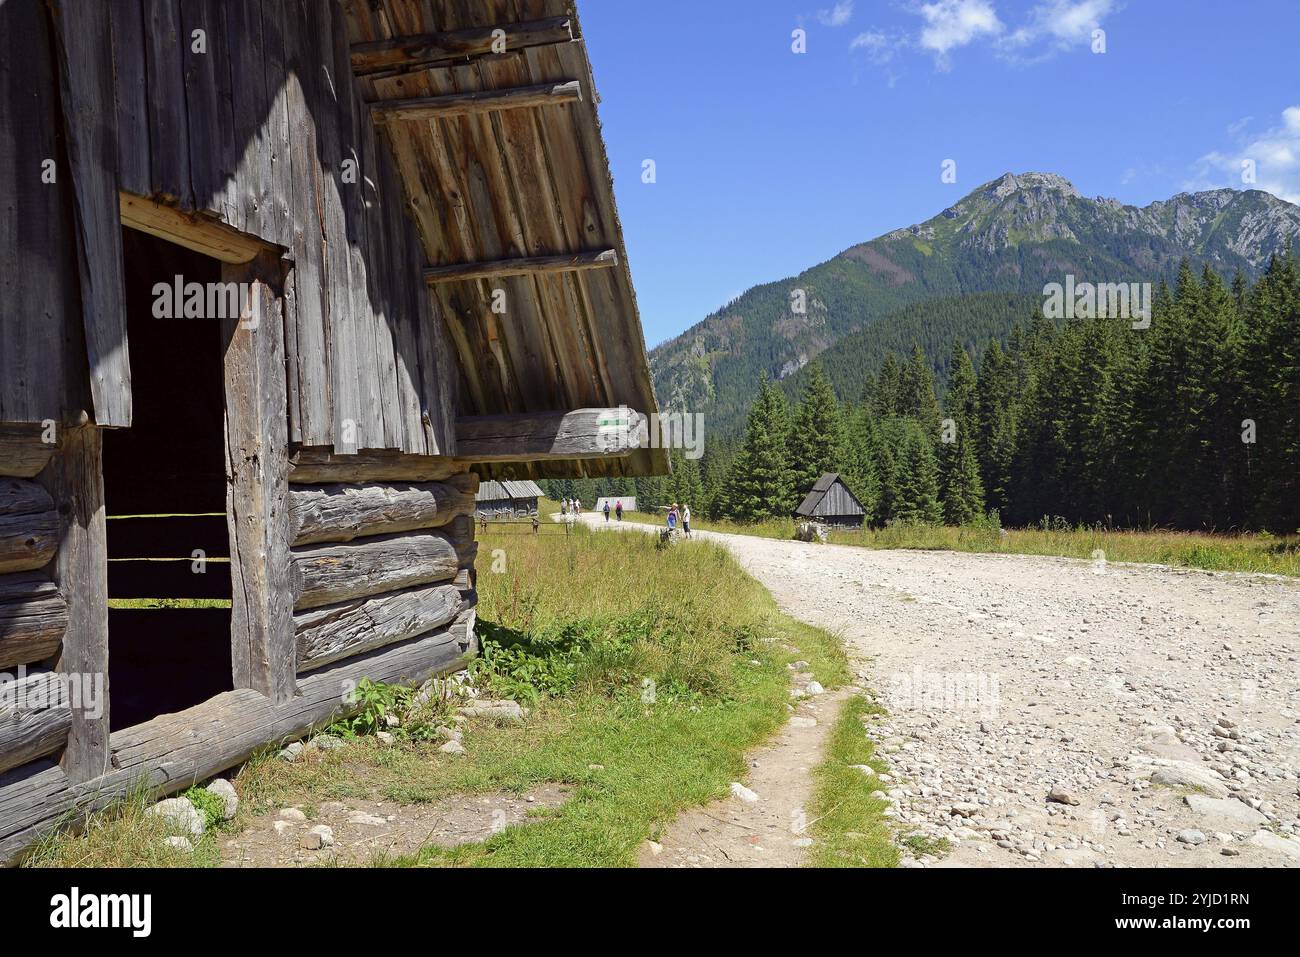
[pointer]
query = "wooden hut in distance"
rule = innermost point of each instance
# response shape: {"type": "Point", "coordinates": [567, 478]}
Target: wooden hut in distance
{"type": "Point", "coordinates": [831, 503]}
{"type": "Point", "coordinates": [507, 499]}
{"type": "Point", "coordinates": [410, 206]}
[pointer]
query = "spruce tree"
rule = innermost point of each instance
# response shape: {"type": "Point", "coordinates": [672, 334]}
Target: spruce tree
{"type": "Point", "coordinates": [759, 484]}
{"type": "Point", "coordinates": [962, 490]}
{"type": "Point", "coordinates": [817, 438]}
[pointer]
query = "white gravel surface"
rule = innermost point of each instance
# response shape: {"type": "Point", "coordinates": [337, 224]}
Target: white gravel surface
{"type": "Point", "coordinates": [1057, 712]}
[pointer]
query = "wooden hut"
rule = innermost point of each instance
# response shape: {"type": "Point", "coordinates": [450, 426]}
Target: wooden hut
{"type": "Point", "coordinates": [831, 503]}
{"type": "Point", "coordinates": [507, 499]}
{"type": "Point", "coordinates": [280, 280]}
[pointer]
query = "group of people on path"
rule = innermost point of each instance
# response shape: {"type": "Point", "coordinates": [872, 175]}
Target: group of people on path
{"type": "Point", "coordinates": [618, 510]}
{"type": "Point", "coordinates": [570, 506]}
{"type": "Point", "coordinates": [679, 515]}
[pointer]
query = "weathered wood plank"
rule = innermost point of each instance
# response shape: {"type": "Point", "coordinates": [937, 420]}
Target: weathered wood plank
{"type": "Point", "coordinates": [257, 502]}
{"type": "Point", "coordinates": [214, 153]}
{"type": "Point", "coordinates": [29, 526]}
{"type": "Point", "coordinates": [191, 230]}
{"type": "Point", "coordinates": [311, 301]}
{"type": "Point", "coordinates": [35, 719]}
{"type": "Point", "coordinates": [460, 272]}
{"type": "Point", "coordinates": [87, 86]}
{"type": "Point", "coordinates": [320, 467]}
{"type": "Point", "coordinates": [433, 48]}
{"type": "Point", "coordinates": [33, 617]}
{"type": "Point", "coordinates": [173, 751]}
{"type": "Point", "coordinates": [477, 101]}
{"type": "Point", "coordinates": [327, 635]}
{"type": "Point", "coordinates": [580, 434]}
{"type": "Point", "coordinates": [340, 513]}
{"type": "Point", "coordinates": [38, 273]}
{"type": "Point", "coordinates": [75, 482]}
{"type": "Point", "coordinates": [169, 154]}
{"type": "Point", "coordinates": [331, 573]}
{"type": "Point", "coordinates": [132, 89]}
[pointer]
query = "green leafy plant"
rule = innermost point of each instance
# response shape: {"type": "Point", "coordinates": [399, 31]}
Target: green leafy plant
{"type": "Point", "coordinates": [211, 806]}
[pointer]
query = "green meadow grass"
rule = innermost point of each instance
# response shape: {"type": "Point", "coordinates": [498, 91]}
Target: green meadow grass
{"type": "Point", "coordinates": [574, 625]}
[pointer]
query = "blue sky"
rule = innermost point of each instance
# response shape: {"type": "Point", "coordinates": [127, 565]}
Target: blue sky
{"type": "Point", "coordinates": [768, 162]}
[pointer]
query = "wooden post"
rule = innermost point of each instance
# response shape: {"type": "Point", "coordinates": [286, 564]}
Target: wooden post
{"type": "Point", "coordinates": [75, 481]}
{"type": "Point", "coordinates": [257, 494]}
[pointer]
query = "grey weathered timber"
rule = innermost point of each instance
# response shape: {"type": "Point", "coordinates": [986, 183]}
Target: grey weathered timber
{"type": "Point", "coordinates": [38, 272]}
{"type": "Point", "coordinates": [36, 723]}
{"type": "Point", "coordinates": [432, 48]}
{"type": "Point", "coordinates": [33, 617]}
{"type": "Point", "coordinates": [331, 573]}
{"type": "Point", "coordinates": [257, 496]}
{"type": "Point", "coordinates": [86, 82]}
{"type": "Point", "coordinates": [478, 101]}
{"type": "Point", "coordinates": [574, 262]}
{"type": "Point", "coordinates": [580, 434]}
{"type": "Point", "coordinates": [321, 467]}
{"type": "Point", "coordinates": [75, 482]}
{"type": "Point", "coordinates": [326, 635]}
{"type": "Point", "coordinates": [132, 88]}
{"type": "Point", "coordinates": [29, 526]}
{"type": "Point", "coordinates": [174, 751]}
{"type": "Point", "coordinates": [22, 453]}
{"type": "Point", "coordinates": [340, 513]}
{"type": "Point", "coordinates": [463, 631]}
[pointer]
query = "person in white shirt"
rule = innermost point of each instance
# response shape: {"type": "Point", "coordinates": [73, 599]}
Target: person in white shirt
{"type": "Point", "coordinates": [686, 520]}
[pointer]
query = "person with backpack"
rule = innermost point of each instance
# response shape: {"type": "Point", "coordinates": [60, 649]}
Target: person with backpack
{"type": "Point", "coordinates": [607, 513]}
{"type": "Point", "coordinates": [618, 509]}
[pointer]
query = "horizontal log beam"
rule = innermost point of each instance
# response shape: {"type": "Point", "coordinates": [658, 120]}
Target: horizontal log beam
{"type": "Point", "coordinates": [476, 102]}
{"type": "Point", "coordinates": [341, 513]}
{"type": "Point", "coordinates": [22, 453]}
{"type": "Point", "coordinates": [35, 718]}
{"type": "Point", "coordinates": [191, 230]}
{"type": "Point", "coordinates": [332, 573]}
{"type": "Point", "coordinates": [172, 752]}
{"type": "Point", "coordinates": [29, 526]}
{"type": "Point", "coordinates": [531, 437]}
{"type": "Point", "coordinates": [327, 635]}
{"type": "Point", "coordinates": [33, 617]}
{"type": "Point", "coordinates": [463, 272]}
{"type": "Point", "coordinates": [322, 467]}
{"type": "Point", "coordinates": [428, 49]}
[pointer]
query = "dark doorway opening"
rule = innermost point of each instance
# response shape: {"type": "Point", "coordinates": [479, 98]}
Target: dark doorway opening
{"type": "Point", "coordinates": [165, 495]}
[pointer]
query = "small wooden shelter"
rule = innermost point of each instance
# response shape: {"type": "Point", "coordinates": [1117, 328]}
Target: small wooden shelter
{"type": "Point", "coordinates": [507, 499]}
{"type": "Point", "coordinates": [280, 281]}
{"type": "Point", "coordinates": [831, 503]}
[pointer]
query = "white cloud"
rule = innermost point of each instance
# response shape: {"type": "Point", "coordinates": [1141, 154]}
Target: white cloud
{"type": "Point", "coordinates": [950, 24]}
{"type": "Point", "coordinates": [1049, 27]}
{"type": "Point", "coordinates": [836, 16]}
{"type": "Point", "coordinates": [1062, 23]}
{"type": "Point", "coordinates": [879, 47]}
{"type": "Point", "coordinates": [1275, 154]}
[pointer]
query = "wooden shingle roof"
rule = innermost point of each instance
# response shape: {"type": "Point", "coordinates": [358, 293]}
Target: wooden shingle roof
{"type": "Point", "coordinates": [841, 502]}
{"type": "Point", "coordinates": [507, 178]}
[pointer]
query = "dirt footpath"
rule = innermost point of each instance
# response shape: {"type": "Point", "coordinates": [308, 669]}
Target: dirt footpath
{"type": "Point", "coordinates": [1056, 712]}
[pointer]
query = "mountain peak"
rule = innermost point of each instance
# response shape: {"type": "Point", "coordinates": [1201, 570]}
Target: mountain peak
{"type": "Point", "coordinates": [1008, 183]}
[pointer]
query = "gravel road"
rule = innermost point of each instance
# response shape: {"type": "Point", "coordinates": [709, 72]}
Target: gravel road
{"type": "Point", "coordinates": [1057, 712]}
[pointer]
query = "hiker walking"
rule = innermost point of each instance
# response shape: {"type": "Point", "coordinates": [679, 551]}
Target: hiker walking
{"type": "Point", "coordinates": [564, 506]}
{"type": "Point", "coordinates": [686, 520]}
{"type": "Point", "coordinates": [618, 509]}
{"type": "Point", "coordinates": [607, 513]}
{"type": "Point", "coordinates": [672, 517]}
